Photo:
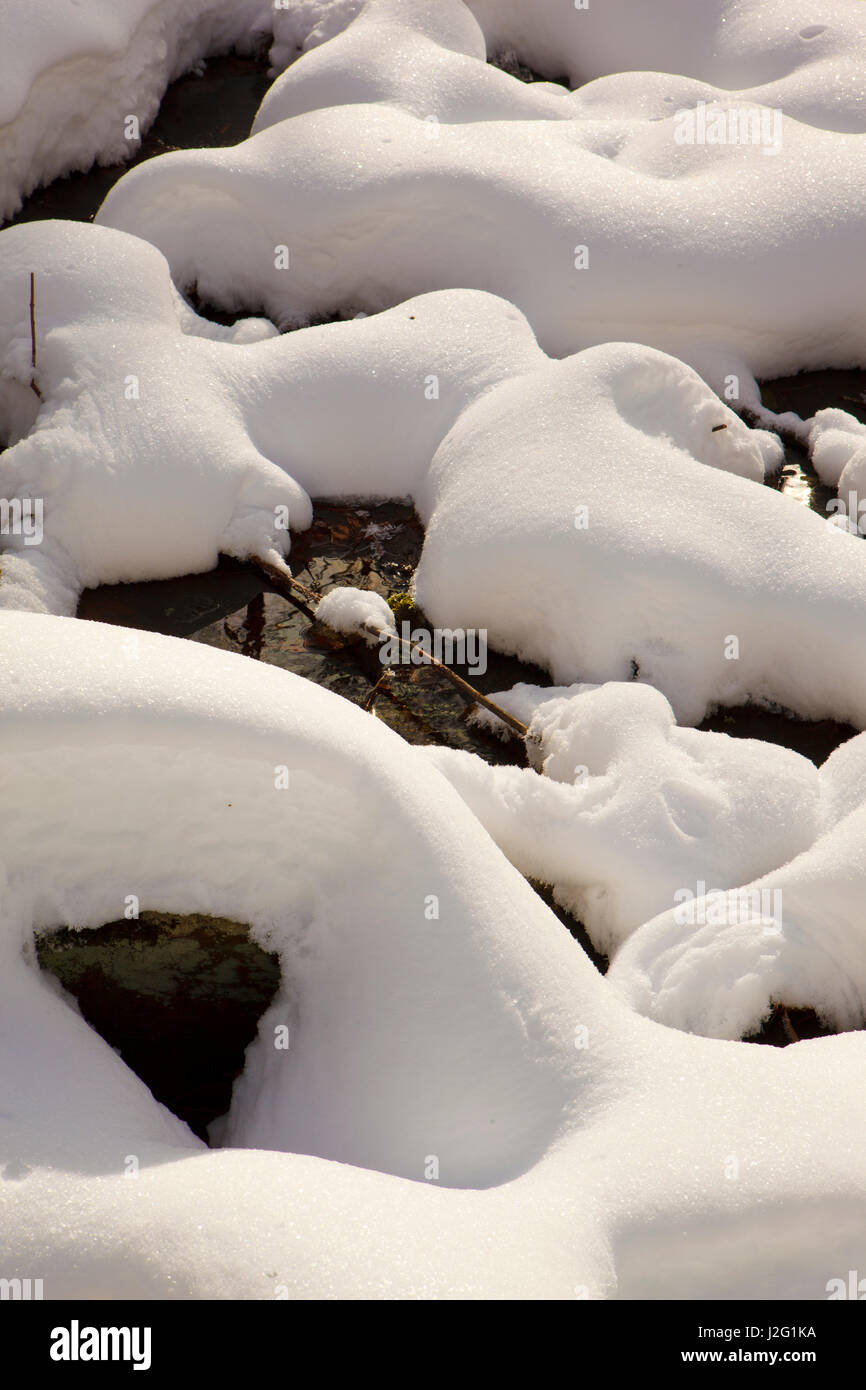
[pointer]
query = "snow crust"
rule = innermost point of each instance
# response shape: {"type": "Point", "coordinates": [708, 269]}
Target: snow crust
{"type": "Point", "coordinates": [587, 1150]}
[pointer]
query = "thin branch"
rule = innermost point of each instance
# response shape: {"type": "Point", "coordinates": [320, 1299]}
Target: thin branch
{"type": "Point", "coordinates": [383, 683]}
{"type": "Point", "coordinates": [306, 599]}
{"type": "Point", "coordinates": [33, 383]}
{"type": "Point", "coordinates": [787, 1026]}
{"type": "Point", "coordinates": [468, 691]}
{"type": "Point", "coordinates": [285, 584]}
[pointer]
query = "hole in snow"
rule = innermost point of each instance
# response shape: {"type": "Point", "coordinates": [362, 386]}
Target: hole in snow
{"type": "Point", "coordinates": [812, 31]}
{"type": "Point", "coordinates": [508, 61]}
{"type": "Point", "coordinates": [179, 997]}
{"type": "Point", "coordinates": [207, 309]}
{"type": "Point", "coordinates": [785, 1026]}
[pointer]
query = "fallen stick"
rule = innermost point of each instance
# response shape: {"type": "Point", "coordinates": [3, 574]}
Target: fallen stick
{"type": "Point", "coordinates": [289, 587]}
{"type": "Point", "coordinates": [383, 683]}
{"type": "Point", "coordinates": [33, 383]}
{"type": "Point", "coordinates": [468, 691]}
{"type": "Point", "coordinates": [303, 598]}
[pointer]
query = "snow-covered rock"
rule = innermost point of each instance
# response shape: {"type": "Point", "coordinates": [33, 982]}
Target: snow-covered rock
{"type": "Point", "coordinates": [630, 810]}
{"type": "Point", "coordinates": [837, 449]}
{"type": "Point", "coordinates": [767, 51]}
{"type": "Point", "coordinates": [464, 1108]}
{"type": "Point", "coordinates": [793, 936]}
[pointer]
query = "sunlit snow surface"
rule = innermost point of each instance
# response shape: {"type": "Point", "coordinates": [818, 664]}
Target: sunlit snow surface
{"type": "Point", "coordinates": [466, 1107]}
{"type": "Point", "coordinates": [596, 1146]}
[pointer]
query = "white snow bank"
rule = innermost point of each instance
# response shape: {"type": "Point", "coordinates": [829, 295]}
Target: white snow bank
{"type": "Point", "coordinates": [379, 44]}
{"type": "Point", "coordinates": [595, 228]}
{"type": "Point", "coordinates": [768, 51]}
{"type": "Point", "coordinates": [72, 72]}
{"type": "Point", "coordinates": [163, 440]}
{"type": "Point", "coordinates": [837, 449]}
{"type": "Point", "coordinates": [594, 515]}
{"type": "Point", "coordinates": [630, 810]}
{"type": "Point", "coordinates": [762, 51]}
{"type": "Point", "coordinates": [794, 936]}
{"type": "Point", "coordinates": [450, 1045]}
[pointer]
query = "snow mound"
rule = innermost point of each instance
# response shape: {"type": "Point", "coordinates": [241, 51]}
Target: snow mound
{"type": "Point", "coordinates": [599, 515]}
{"type": "Point", "coordinates": [767, 53]}
{"type": "Point", "coordinates": [837, 449]}
{"type": "Point", "coordinates": [631, 810]}
{"type": "Point", "coordinates": [381, 164]}
{"type": "Point", "coordinates": [72, 74]}
{"type": "Point", "coordinates": [794, 936]}
{"type": "Point", "coordinates": [454, 1061]}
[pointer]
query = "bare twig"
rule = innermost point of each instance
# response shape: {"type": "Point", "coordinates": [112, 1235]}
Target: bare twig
{"type": "Point", "coordinates": [34, 386]}
{"type": "Point", "coordinates": [306, 599]}
{"type": "Point", "coordinates": [468, 691]}
{"type": "Point", "coordinates": [382, 683]}
{"type": "Point", "coordinates": [285, 584]}
{"type": "Point", "coordinates": [787, 1026]}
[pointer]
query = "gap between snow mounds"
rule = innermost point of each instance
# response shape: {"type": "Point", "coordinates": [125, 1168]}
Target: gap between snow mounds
{"type": "Point", "coordinates": [178, 997]}
{"type": "Point", "coordinates": [162, 442]}
{"type": "Point", "coordinates": [410, 1039]}
{"type": "Point", "coordinates": [235, 609]}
